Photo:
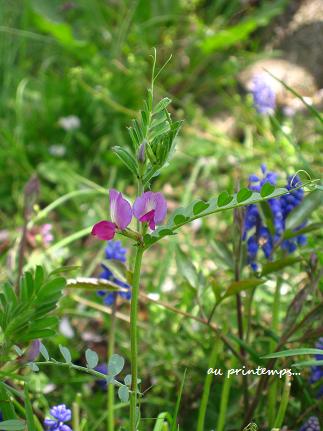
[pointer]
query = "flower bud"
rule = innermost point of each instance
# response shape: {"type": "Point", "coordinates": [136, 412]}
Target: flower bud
{"type": "Point", "coordinates": [141, 153]}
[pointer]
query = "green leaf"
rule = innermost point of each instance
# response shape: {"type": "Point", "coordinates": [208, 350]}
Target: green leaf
{"type": "Point", "coordinates": [91, 283]}
{"type": "Point", "coordinates": [293, 352]}
{"type": "Point", "coordinates": [266, 190]}
{"type": "Point", "coordinates": [239, 286]}
{"type": "Point", "coordinates": [92, 358]}
{"type": "Point", "coordinates": [277, 265]}
{"type": "Point", "coordinates": [309, 228]}
{"type": "Point", "coordinates": [314, 363]}
{"type": "Point", "coordinates": [127, 158]}
{"type": "Point", "coordinates": [243, 195]}
{"type": "Point", "coordinates": [44, 352]}
{"type": "Point", "coordinates": [29, 411]}
{"type": "Point", "coordinates": [304, 210]}
{"type": "Point", "coordinates": [34, 367]}
{"type": "Point", "coordinates": [127, 380]}
{"type": "Point", "coordinates": [37, 333]}
{"type": "Point", "coordinates": [6, 406]}
{"type": "Point", "coordinates": [162, 421]}
{"type": "Point", "coordinates": [200, 207]}
{"type": "Point", "coordinates": [123, 394]}
{"type": "Point", "coordinates": [115, 365]}
{"type": "Point", "coordinates": [224, 199]}
{"type": "Point", "coordinates": [178, 401]}
{"type": "Point", "coordinates": [12, 425]}
{"type": "Point", "coordinates": [179, 219]}
{"type": "Point", "coordinates": [66, 354]}
{"type": "Point", "coordinates": [162, 105]}
{"type": "Point", "coordinates": [64, 269]}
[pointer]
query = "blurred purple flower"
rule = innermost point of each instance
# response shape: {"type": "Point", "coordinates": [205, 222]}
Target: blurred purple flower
{"type": "Point", "coordinates": [264, 96]}
{"type": "Point", "coordinates": [121, 215]}
{"type": "Point", "coordinates": [114, 251]}
{"type": "Point", "coordinates": [60, 414]}
{"type": "Point", "coordinates": [317, 370]}
{"type": "Point", "coordinates": [312, 424]}
{"type": "Point", "coordinates": [103, 369]}
{"type": "Point", "coordinates": [150, 208]}
{"type": "Point", "coordinates": [34, 350]}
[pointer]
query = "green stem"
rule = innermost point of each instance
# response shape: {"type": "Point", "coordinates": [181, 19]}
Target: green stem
{"type": "Point", "coordinates": [110, 398]}
{"type": "Point", "coordinates": [224, 402]}
{"type": "Point", "coordinates": [76, 413]}
{"type": "Point", "coordinates": [272, 394]}
{"type": "Point", "coordinates": [283, 404]}
{"type": "Point", "coordinates": [207, 385]}
{"type": "Point", "coordinates": [134, 336]}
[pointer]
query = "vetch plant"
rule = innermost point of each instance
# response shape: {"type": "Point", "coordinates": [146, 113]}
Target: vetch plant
{"type": "Point", "coordinates": [153, 142]}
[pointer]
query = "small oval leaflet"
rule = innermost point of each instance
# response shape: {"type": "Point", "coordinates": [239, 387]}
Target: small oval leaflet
{"type": "Point", "coordinates": [200, 207]}
{"type": "Point", "coordinates": [92, 358]}
{"type": "Point", "coordinates": [243, 195]}
{"type": "Point", "coordinates": [66, 354]}
{"type": "Point", "coordinates": [44, 352]}
{"type": "Point", "coordinates": [266, 190]}
{"type": "Point", "coordinates": [123, 394]}
{"type": "Point", "coordinates": [115, 365]}
{"type": "Point", "coordinates": [179, 218]}
{"type": "Point", "coordinates": [165, 232]}
{"type": "Point", "coordinates": [224, 199]}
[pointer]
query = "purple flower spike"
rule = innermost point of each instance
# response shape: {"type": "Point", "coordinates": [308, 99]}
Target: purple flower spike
{"type": "Point", "coordinates": [60, 414]}
{"type": "Point", "coordinates": [121, 215]}
{"type": "Point", "coordinates": [150, 208]}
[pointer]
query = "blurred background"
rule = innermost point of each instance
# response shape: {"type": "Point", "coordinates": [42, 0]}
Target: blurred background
{"type": "Point", "coordinates": [73, 76]}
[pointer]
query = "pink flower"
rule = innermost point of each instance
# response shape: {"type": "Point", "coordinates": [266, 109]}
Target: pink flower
{"type": "Point", "coordinates": [150, 208]}
{"type": "Point", "coordinates": [121, 215]}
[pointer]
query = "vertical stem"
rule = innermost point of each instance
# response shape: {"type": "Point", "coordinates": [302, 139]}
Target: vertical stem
{"type": "Point", "coordinates": [110, 398]}
{"type": "Point", "coordinates": [237, 276]}
{"type": "Point", "coordinates": [207, 385]}
{"type": "Point", "coordinates": [134, 336]}
{"type": "Point", "coordinates": [224, 401]}
{"type": "Point", "coordinates": [283, 404]}
{"type": "Point", "coordinates": [76, 413]}
{"type": "Point", "coordinates": [272, 394]}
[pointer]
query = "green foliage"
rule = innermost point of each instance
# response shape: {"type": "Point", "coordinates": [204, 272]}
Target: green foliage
{"type": "Point", "coordinates": [198, 209]}
{"type": "Point", "coordinates": [24, 315]}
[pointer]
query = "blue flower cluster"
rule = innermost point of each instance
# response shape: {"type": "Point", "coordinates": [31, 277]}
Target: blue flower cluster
{"type": "Point", "coordinates": [263, 93]}
{"type": "Point", "coordinates": [60, 414]}
{"type": "Point", "coordinates": [317, 371]}
{"type": "Point", "coordinates": [261, 237]}
{"type": "Point", "coordinates": [114, 251]}
{"type": "Point", "coordinates": [312, 424]}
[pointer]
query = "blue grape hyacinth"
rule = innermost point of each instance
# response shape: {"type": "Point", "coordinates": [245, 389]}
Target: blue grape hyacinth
{"type": "Point", "coordinates": [263, 93]}
{"type": "Point", "coordinates": [317, 370]}
{"type": "Point", "coordinates": [312, 424]}
{"type": "Point", "coordinates": [114, 251]}
{"type": "Point", "coordinates": [61, 414]}
{"type": "Point", "coordinates": [256, 233]}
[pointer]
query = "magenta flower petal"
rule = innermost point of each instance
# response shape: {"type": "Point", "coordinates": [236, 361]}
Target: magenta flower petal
{"type": "Point", "coordinates": [120, 210]}
{"type": "Point", "coordinates": [151, 208]}
{"type": "Point", "coordinates": [104, 230]}
{"type": "Point", "coordinates": [150, 219]}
